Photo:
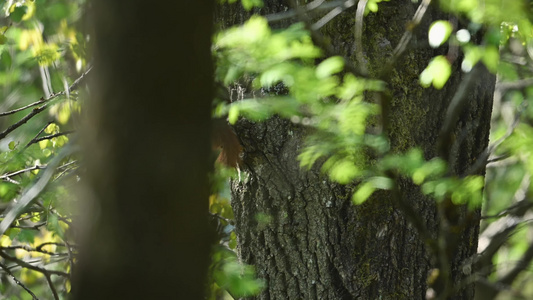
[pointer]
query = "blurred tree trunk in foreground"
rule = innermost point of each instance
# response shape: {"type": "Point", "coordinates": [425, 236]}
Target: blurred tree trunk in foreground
{"type": "Point", "coordinates": [147, 148]}
{"type": "Point", "coordinates": [303, 234]}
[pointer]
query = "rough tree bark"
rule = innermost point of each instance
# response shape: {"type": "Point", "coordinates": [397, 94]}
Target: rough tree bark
{"type": "Point", "coordinates": [147, 151]}
{"type": "Point", "coordinates": [315, 244]}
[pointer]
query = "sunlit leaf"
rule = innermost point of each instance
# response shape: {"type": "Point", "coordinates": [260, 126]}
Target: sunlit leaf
{"type": "Point", "coordinates": [437, 72]}
{"type": "Point", "coordinates": [329, 67]}
{"type": "Point", "coordinates": [439, 32]}
{"type": "Point", "coordinates": [364, 191]}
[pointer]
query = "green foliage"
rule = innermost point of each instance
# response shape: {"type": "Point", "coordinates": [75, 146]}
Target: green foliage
{"type": "Point", "coordinates": [42, 52]}
{"type": "Point", "coordinates": [227, 275]}
{"type": "Point", "coordinates": [231, 276]}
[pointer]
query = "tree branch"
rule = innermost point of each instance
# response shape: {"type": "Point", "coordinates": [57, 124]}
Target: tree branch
{"type": "Point", "coordinates": [359, 15]}
{"type": "Point", "coordinates": [522, 264]}
{"type": "Point", "coordinates": [38, 110]}
{"type": "Point", "coordinates": [52, 287]}
{"type": "Point", "coordinates": [408, 34]}
{"type": "Point", "coordinates": [47, 137]}
{"type": "Point", "coordinates": [514, 85]}
{"type": "Point", "coordinates": [332, 14]}
{"type": "Point", "coordinates": [321, 42]}
{"type": "Point", "coordinates": [6, 269]}
{"type": "Point", "coordinates": [22, 263]}
{"type": "Point", "coordinates": [315, 6]}
{"type": "Point", "coordinates": [9, 175]}
{"type": "Point", "coordinates": [22, 121]}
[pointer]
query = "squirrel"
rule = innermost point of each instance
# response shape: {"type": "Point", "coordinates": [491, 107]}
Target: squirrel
{"type": "Point", "coordinates": [225, 140]}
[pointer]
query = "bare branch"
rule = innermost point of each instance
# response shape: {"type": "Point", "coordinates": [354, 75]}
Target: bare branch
{"type": "Point", "coordinates": [47, 137]}
{"type": "Point", "coordinates": [9, 175]}
{"type": "Point", "coordinates": [321, 42]}
{"type": "Point", "coordinates": [359, 15]}
{"type": "Point", "coordinates": [40, 131]}
{"type": "Point", "coordinates": [315, 6]}
{"type": "Point", "coordinates": [22, 121]}
{"type": "Point", "coordinates": [38, 249]}
{"type": "Point", "coordinates": [492, 239]}
{"type": "Point", "coordinates": [39, 109]}
{"type": "Point", "coordinates": [514, 85]}
{"type": "Point", "coordinates": [408, 35]}
{"type": "Point", "coordinates": [72, 87]}
{"type": "Point", "coordinates": [24, 264]}
{"type": "Point", "coordinates": [52, 287]}
{"type": "Point", "coordinates": [7, 113]}
{"type": "Point", "coordinates": [522, 265]}
{"type": "Point", "coordinates": [6, 269]}
{"type": "Point", "coordinates": [454, 109]}
{"type": "Point", "coordinates": [332, 14]}
{"type": "Point", "coordinates": [33, 191]}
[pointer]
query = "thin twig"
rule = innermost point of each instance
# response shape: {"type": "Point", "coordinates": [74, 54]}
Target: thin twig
{"type": "Point", "coordinates": [37, 249]}
{"type": "Point", "coordinates": [452, 114]}
{"type": "Point", "coordinates": [40, 131]}
{"type": "Point", "coordinates": [33, 191]}
{"type": "Point", "coordinates": [483, 159]}
{"type": "Point", "coordinates": [37, 110]}
{"type": "Point", "coordinates": [52, 287]}
{"type": "Point", "coordinates": [7, 113]}
{"type": "Point", "coordinates": [514, 85]}
{"type": "Point", "coordinates": [332, 14]}
{"type": "Point", "coordinates": [317, 5]}
{"type": "Point", "coordinates": [9, 175]}
{"type": "Point", "coordinates": [22, 121]}
{"type": "Point", "coordinates": [72, 87]}
{"type": "Point", "coordinates": [33, 227]}
{"type": "Point", "coordinates": [321, 42]}
{"type": "Point", "coordinates": [522, 264]}
{"type": "Point", "coordinates": [47, 137]}
{"type": "Point", "coordinates": [359, 15]}
{"type": "Point", "coordinates": [408, 34]}
{"type": "Point", "coordinates": [6, 269]}
{"type": "Point", "coordinates": [26, 265]}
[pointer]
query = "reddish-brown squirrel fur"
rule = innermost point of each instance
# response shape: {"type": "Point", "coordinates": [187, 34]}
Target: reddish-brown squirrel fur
{"type": "Point", "coordinates": [225, 140]}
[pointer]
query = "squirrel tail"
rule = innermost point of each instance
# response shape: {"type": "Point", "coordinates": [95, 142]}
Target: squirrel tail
{"type": "Point", "coordinates": [225, 140]}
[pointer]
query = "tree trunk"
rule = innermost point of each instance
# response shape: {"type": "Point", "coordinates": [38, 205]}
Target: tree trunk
{"type": "Point", "coordinates": [147, 149]}
{"type": "Point", "coordinates": [302, 232]}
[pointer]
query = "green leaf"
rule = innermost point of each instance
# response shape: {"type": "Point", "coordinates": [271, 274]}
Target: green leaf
{"type": "Point", "coordinates": [344, 171]}
{"type": "Point", "coordinates": [437, 72]}
{"type": "Point", "coordinates": [4, 189]}
{"type": "Point", "coordinates": [6, 59]}
{"type": "Point", "coordinates": [52, 224]}
{"type": "Point", "coordinates": [233, 114]}
{"type": "Point", "coordinates": [12, 145]}
{"type": "Point", "coordinates": [27, 236]}
{"type": "Point", "coordinates": [249, 4]}
{"type": "Point", "coordinates": [439, 32]}
{"type": "Point", "coordinates": [18, 13]}
{"type": "Point", "coordinates": [364, 191]}
{"type": "Point", "coordinates": [491, 58]}
{"type": "Point", "coordinates": [372, 6]}
{"type": "Point", "coordinates": [329, 66]}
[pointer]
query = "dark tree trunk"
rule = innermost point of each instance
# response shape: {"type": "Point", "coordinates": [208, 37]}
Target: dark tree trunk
{"type": "Point", "coordinates": [301, 231]}
{"type": "Point", "coordinates": [147, 149]}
